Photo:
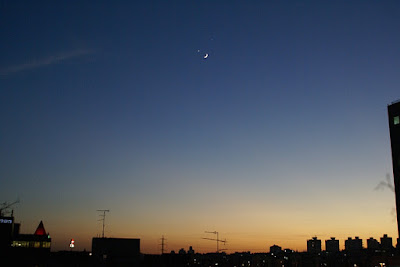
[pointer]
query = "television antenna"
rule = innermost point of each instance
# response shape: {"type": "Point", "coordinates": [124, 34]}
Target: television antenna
{"type": "Point", "coordinates": [5, 206]}
{"type": "Point", "coordinates": [163, 245]}
{"type": "Point", "coordinates": [215, 239]}
{"type": "Point", "coordinates": [103, 218]}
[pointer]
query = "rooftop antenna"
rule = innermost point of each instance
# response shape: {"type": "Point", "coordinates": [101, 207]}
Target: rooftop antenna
{"type": "Point", "coordinates": [217, 239]}
{"type": "Point", "coordinates": [5, 206]}
{"type": "Point", "coordinates": [103, 218]}
{"type": "Point", "coordinates": [162, 245]}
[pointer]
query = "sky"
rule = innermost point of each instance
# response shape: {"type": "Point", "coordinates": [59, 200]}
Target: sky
{"type": "Point", "coordinates": [278, 135]}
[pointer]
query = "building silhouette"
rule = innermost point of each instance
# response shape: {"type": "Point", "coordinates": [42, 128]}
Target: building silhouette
{"type": "Point", "coordinates": [394, 128]}
{"type": "Point", "coordinates": [191, 251]}
{"type": "Point", "coordinates": [23, 249]}
{"type": "Point", "coordinates": [332, 245]}
{"type": "Point", "coordinates": [314, 245]}
{"type": "Point", "coordinates": [275, 249]}
{"type": "Point", "coordinates": [115, 250]}
{"type": "Point", "coordinates": [7, 233]}
{"type": "Point", "coordinates": [39, 240]}
{"type": "Point", "coordinates": [373, 244]}
{"type": "Point", "coordinates": [386, 243]}
{"type": "Point", "coordinates": [353, 244]}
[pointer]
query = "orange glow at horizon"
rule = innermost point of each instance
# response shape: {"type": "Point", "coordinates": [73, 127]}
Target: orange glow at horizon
{"type": "Point", "coordinates": [258, 239]}
{"type": "Point", "coordinates": [246, 217]}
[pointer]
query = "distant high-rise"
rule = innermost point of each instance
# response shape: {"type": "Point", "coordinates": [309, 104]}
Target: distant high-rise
{"type": "Point", "coordinates": [386, 243]}
{"type": "Point", "coordinates": [191, 250]}
{"type": "Point", "coordinates": [353, 244]}
{"type": "Point", "coordinates": [373, 244]}
{"type": "Point", "coordinates": [275, 249]}
{"type": "Point", "coordinates": [332, 245]}
{"type": "Point", "coordinates": [394, 127]}
{"type": "Point", "coordinates": [314, 245]}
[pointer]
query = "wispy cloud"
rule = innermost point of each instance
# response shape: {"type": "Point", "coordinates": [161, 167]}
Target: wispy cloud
{"type": "Point", "coordinates": [37, 63]}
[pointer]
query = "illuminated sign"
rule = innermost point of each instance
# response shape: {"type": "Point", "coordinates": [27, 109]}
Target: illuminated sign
{"type": "Point", "coordinates": [6, 221]}
{"type": "Point", "coordinates": [72, 243]}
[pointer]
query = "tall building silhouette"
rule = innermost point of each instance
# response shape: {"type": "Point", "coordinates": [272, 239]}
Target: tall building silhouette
{"type": "Point", "coordinates": [353, 244]}
{"type": "Point", "coordinates": [386, 243]}
{"type": "Point", "coordinates": [394, 128]}
{"type": "Point", "coordinates": [275, 249]}
{"type": "Point", "coordinates": [373, 244]}
{"type": "Point", "coordinates": [332, 245]}
{"type": "Point", "coordinates": [314, 245]}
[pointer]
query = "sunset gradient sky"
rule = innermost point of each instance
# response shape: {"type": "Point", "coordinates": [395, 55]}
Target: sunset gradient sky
{"type": "Point", "coordinates": [279, 135]}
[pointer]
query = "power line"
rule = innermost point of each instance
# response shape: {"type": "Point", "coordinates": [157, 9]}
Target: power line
{"type": "Point", "coordinates": [215, 239]}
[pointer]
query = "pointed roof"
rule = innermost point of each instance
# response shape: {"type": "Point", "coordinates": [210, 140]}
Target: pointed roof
{"type": "Point", "coordinates": [40, 229]}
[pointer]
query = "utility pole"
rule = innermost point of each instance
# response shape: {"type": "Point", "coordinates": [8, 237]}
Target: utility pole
{"type": "Point", "coordinates": [103, 218]}
{"type": "Point", "coordinates": [217, 240]}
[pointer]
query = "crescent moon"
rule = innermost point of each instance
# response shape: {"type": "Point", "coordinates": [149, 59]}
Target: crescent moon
{"type": "Point", "coordinates": [206, 56]}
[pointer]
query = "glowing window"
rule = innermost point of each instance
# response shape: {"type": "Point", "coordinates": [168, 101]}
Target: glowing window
{"type": "Point", "coordinates": [396, 120]}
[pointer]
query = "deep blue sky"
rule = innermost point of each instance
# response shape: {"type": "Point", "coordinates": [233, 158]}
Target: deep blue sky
{"type": "Point", "coordinates": [110, 105]}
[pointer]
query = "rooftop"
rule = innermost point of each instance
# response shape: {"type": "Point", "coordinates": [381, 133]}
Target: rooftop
{"type": "Point", "coordinates": [395, 102]}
